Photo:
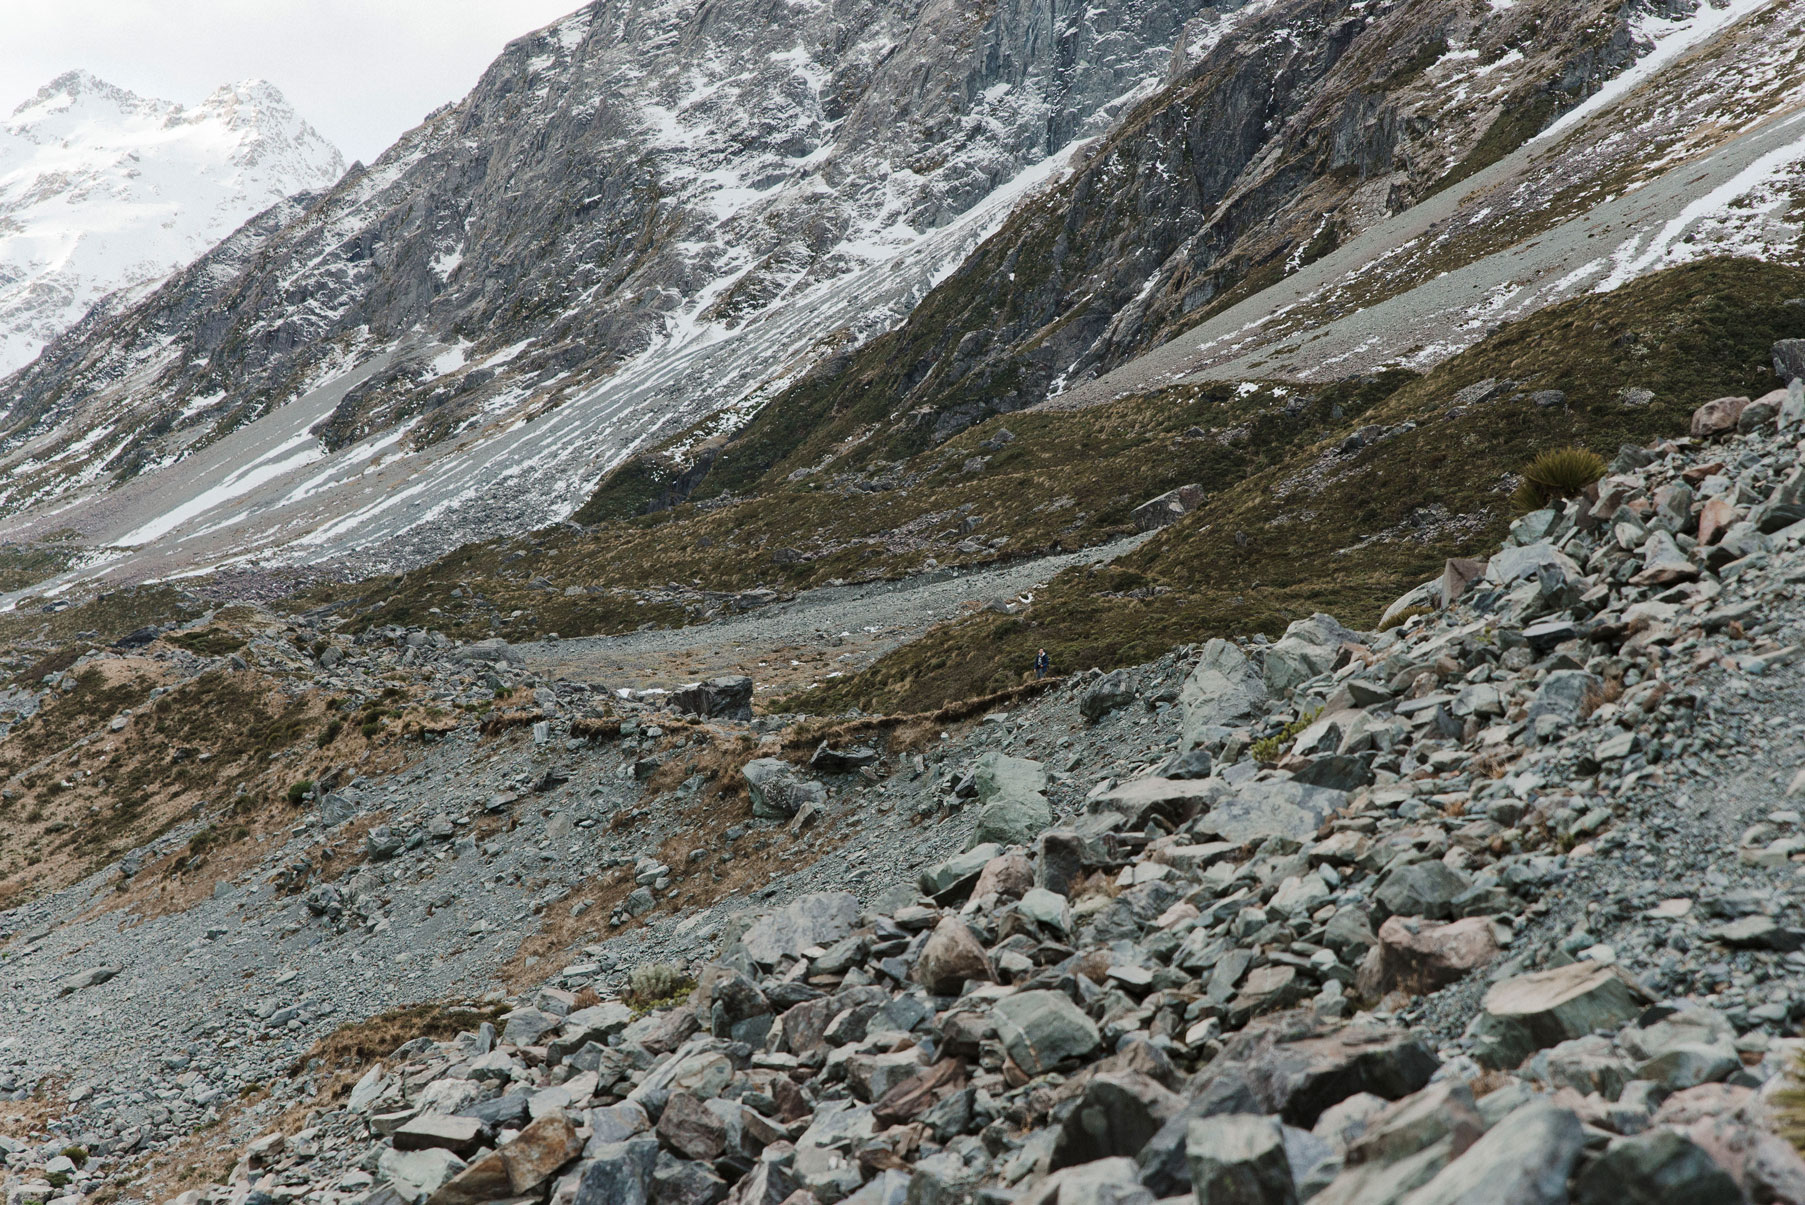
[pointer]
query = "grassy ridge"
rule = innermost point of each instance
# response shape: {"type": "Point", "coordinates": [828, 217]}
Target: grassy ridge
{"type": "Point", "coordinates": [1058, 481]}
{"type": "Point", "coordinates": [1347, 534]}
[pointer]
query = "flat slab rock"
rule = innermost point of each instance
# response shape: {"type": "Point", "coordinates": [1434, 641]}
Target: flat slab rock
{"type": "Point", "coordinates": [1544, 1008]}
{"type": "Point", "coordinates": [439, 1131]}
{"type": "Point", "coordinates": [817, 919]}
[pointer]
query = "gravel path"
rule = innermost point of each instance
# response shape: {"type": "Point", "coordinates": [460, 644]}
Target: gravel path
{"type": "Point", "coordinates": [833, 629]}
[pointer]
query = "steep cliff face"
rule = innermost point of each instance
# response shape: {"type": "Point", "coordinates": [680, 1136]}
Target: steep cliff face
{"type": "Point", "coordinates": [102, 190]}
{"type": "Point", "coordinates": [1296, 126]}
{"type": "Point", "coordinates": [643, 179]}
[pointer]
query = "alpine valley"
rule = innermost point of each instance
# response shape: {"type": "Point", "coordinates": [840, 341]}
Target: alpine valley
{"type": "Point", "coordinates": [918, 603]}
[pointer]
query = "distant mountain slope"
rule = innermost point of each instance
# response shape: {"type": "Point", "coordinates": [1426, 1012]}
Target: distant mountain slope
{"type": "Point", "coordinates": [785, 247]}
{"type": "Point", "coordinates": [101, 189]}
{"type": "Point", "coordinates": [645, 212]}
{"type": "Point", "coordinates": [1305, 125]}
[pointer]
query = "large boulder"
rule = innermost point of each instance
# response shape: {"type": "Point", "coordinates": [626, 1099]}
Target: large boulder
{"type": "Point", "coordinates": [997, 775]}
{"type": "Point", "coordinates": [777, 791]}
{"type": "Point", "coordinates": [1444, 1111]}
{"type": "Point", "coordinates": [821, 1165]}
{"type": "Point", "coordinates": [1014, 807]}
{"type": "Point", "coordinates": [1174, 800]}
{"type": "Point", "coordinates": [1543, 1008]}
{"type": "Point", "coordinates": [1658, 1167]}
{"type": "Point", "coordinates": [1523, 1160]}
{"type": "Point", "coordinates": [1309, 647]}
{"type": "Point", "coordinates": [1428, 888]}
{"type": "Point", "coordinates": [954, 878]}
{"type": "Point", "coordinates": [1043, 1029]}
{"type": "Point", "coordinates": [1789, 359]}
{"type": "Point", "coordinates": [1566, 694]}
{"type": "Point", "coordinates": [1664, 563]}
{"type": "Point", "coordinates": [1275, 807]}
{"type": "Point", "coordinates": [1223, 691]}
{"type": "Point", "coordinates": [1717, 417]}
{"type": "Point", "coordinates": [818, 919]}
{"type": "Point", "coordinates": [691, 1128]}
{"type": "Point", "coordinates": [1239, 1159]}
{"type": "Point", "coordinates": [415, 1175]}
{"type": "Point", "coordinates": [725, 698]}
{"type": "Point", "coordinates": [1420, 956]}
{"type": "Point", "coordinates": [1297, 1065]}
{"type": "Point", "coordinates": [951, 956]}
{"type": "Point", "coordinates": [1117, 1115]}
{"type": "Point", "coordinates": [829, 760]}
{"type": "Point", "coordinates": [1103, 696]}
{"type": "Point", "coordinates": [1102, 1182]}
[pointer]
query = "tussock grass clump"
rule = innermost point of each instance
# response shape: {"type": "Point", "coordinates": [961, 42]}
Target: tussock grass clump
{"type": "Point", "coordinates": [1405, 616]}
{"type": "Point", "coordinates": [1789, 1106]}
{"type": "Point", "coordinates": [1555, 476]}
{"type": "Point", "coordinates": [658, 985]}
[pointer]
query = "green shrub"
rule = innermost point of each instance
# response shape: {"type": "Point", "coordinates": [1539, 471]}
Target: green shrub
{"type": "Point", "coordinates": [1269, 749]}
{"type": "Point", "coordinates": [1556, 476]}
{"type": "Point", "coordinates": [297, 794]}
{"type": "Point", "coordinates": [77, 1155]}
{"type": "Point", "coordinates": [330, 732]}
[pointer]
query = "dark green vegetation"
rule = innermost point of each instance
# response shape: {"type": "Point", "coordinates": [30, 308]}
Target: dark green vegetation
{"type": "Point", "coordinates": [1296, 517]}
{"type": "Point", "coordinates": [1557, 475]}
{"type": "Point", "coordinates": [1057, 480]}
{"type": "Point", "coordinates": [1348, 533]}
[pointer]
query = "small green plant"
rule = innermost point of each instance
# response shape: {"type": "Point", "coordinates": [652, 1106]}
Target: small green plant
{"type": "Point", "coordinates": [1555, 476]}
{"type": "Point", "coordinates": [330, 732]}
{"type": "Point", "coordinates": [1405, 616]}
{"type": "Point", "coordinates": [77, 1155]}
{"type": "Point", "coordinates": [1268, 750]}
{"type": "Point", "coordinates": [297, 794]}
{"type": "Point", "coordinates": [657, 985]}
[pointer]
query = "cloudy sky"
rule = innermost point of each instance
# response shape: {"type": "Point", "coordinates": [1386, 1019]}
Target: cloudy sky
{"type": "Point", "coordinates": [362, 71]}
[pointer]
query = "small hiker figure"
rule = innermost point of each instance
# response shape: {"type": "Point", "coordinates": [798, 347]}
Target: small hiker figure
{"type": "Point", "coordinates": [1042, 664]}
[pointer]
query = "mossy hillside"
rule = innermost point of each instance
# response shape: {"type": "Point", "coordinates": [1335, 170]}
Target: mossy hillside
{"type": "Point", "coordinates": [100, 620]}
{"type": "Point", "coordinates": [1059, 481]}
{"type": "Point", "coordinates": [1348, 534]}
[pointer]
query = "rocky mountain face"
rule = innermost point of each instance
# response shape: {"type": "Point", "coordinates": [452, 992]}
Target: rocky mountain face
{"type": "Point", "coordinates": [102, 191]}
{"type": "Point", "coordinates": [647, 224]}
{"type": "Point", "coordinates": [632, 186]}
{"type": "Point", "coordinates": [1295, 128]}
{"type": "Point", "coordinates": [1498, 901]}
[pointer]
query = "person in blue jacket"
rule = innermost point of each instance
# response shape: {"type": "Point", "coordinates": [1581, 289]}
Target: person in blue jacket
{"type": "Point", "coordinates": [1042, 664]}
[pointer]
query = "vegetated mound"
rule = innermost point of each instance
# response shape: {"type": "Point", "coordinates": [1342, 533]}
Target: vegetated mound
{"type": "Point", "coordinates": [1042, 482]}
{"type": "Point", "coordinates": [1347, 524]}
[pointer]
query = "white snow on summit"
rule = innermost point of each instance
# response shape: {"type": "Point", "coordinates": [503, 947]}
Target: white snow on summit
{"type": "Point", "coordinates": [102, 190]}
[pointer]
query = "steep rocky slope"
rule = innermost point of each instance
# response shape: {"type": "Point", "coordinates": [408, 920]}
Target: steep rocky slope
{"type": "Point", "coordinates": [1499, 895]}
{"type": "Point", "coordinates": [1302, 127]}
{"type": "Point", "coordinates": [102, 190]}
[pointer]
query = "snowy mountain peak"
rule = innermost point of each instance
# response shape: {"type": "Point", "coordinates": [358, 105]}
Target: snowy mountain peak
{"type": "Point", "coordinates": [104, 190]}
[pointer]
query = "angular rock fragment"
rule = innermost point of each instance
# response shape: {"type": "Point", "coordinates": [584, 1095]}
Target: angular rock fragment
{"type": "Point", "coordinates": [1537, 1010]}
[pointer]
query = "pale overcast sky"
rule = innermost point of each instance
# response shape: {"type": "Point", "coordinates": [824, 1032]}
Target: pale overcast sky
{"type": "Point", "coordinates": [362, 71]}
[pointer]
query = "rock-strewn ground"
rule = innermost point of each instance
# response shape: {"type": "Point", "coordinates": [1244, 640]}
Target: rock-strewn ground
{"type": "Point", "coordinates": [1497, 904]}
